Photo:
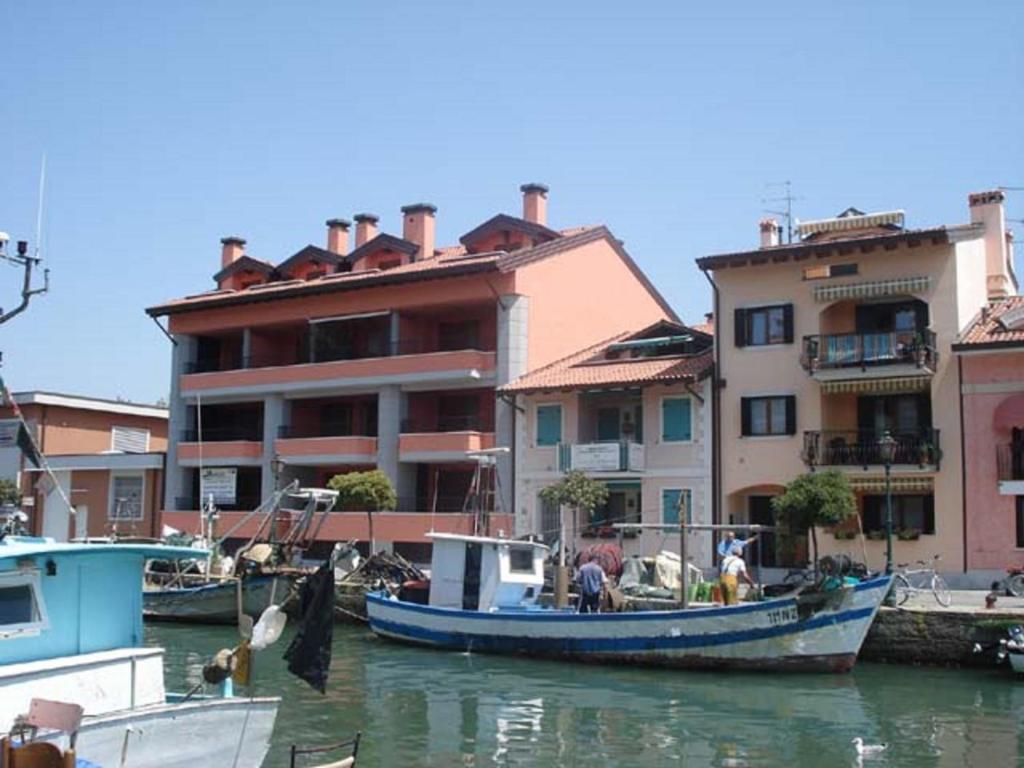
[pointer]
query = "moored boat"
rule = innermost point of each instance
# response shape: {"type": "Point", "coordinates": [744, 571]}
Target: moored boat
{"type": "Point", "coordinates": [71, 632]}
{"type": "Point", "coordinates": [483, 597]}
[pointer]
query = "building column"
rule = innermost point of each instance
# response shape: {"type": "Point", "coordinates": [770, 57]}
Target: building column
{"type": "Point", "coordinates": [246, 348]}
{"type": "Point", "coordinates": [274, 417]}
{"type": "Point", "coordinates": [513, 314]}
{"type": "Point", "coordinates": [394, 334]}
{"type": "Point", "coordinates": [176, 480]}
{"type": "Point", "coordinates": [389, 426]}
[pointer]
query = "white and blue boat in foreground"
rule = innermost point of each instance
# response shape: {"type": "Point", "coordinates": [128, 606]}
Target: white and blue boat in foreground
{"type": "Point", "coordinates": [71, 632]}
{"type": "Point", "coordinates": [483, 597]}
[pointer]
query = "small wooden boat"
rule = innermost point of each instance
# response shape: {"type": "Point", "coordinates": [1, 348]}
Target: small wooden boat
{"type": "Point", "coordinates": [483, 597]}
{"type": "Point", "coordinates": [214, 602]}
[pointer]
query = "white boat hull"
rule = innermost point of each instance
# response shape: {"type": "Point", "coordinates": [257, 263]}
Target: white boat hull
{"type": "Point", "coordinates": [215, 603]}
{"type": "Point", "coordinates": [771, 634]}
{"type": "Point", "coordinates": [1017, 662]}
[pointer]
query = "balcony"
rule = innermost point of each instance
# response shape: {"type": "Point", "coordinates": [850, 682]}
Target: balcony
{"type": "Point", "coordinates": [442, 446]}
{"type": "Point", "coordinates": [612, 456]}
{"type": "Point", "coordinates": [326, 443]}
{"type": "Point", "coordinates": [853, 448]}
{"type": "Point", "coordinates": [1010, 469]}
{"type": "Point", "coordinates": [869, 355]}
{"type": "Point", "coordinates": [238, 445]}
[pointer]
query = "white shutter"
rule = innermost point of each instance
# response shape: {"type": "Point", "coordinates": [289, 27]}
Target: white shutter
{"type": "Point", "coordinates": [130, 440]}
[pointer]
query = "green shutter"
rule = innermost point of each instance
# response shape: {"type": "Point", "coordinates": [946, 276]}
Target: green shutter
{"type": "Point", "coordinates": [549, 424]}
{"type": "Point", "coordinates": [675, 420]}
{"type": "Point", "coordinates": [670, 506]}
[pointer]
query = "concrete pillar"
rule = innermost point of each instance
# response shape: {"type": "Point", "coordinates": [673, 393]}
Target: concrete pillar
{"type": "Point", "coordinates": [176, 481]}
{"type": "Point", "coordinates": [389, 425]}
{"type": "Point", "coordinates": [247, 348]}
{"type": "Point", "coordinates": [513, 314]}
{"type": "Point", "coordinates": [275, 415]}
{"type": "Point", "coordinates": [394, 334]}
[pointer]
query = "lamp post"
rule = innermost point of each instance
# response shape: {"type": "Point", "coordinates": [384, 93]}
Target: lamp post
{"type": "Point", "coordinates": [887, 449]}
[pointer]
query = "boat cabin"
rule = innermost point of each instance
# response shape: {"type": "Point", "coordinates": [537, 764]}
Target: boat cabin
{"type": "Point", "coordinates": [479, 573]}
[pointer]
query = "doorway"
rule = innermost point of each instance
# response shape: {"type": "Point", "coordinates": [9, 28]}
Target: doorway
{"type": "Point", "coordinates": [471, 577]}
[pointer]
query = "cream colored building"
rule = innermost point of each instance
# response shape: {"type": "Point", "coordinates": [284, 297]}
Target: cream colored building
{"type": "Point", "coordinates": [633, 412]}
{"type": "Point", "coordinates": [825, 344]}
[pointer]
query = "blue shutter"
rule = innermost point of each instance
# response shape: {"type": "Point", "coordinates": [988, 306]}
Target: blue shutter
{"type": "Point", "coordinates": [549, 424]}
{"type": "Point", "coordinates": [670, 505]}
{"type": "Point", "coordinates": [675, 420]}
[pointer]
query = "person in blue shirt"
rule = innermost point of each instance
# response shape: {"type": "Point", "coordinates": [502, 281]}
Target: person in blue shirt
{"type": "Point", "coordinates": [729, 540]}
{"type": "Point", "coordinates": [592, 580]}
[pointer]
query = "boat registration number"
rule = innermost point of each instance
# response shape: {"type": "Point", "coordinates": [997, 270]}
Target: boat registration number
{"type": "Point", "coordinates": [779, 616]}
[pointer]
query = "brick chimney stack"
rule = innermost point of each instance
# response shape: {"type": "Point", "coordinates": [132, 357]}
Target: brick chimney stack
{"type": "Point", "coordinates": [771, 233]}
{"type": "Point", "coordinates": [231, 250]}
{"type": "Point", "coordinates": [337, 236]}
{"type": "Point", "coordinates": [366, 227]}
{"type": "Point", "coordinates": [987, 210]}
{"type": "Point", "coordinates": [535, 203]}
{"type": "Point", "coordinates": [418, 226]}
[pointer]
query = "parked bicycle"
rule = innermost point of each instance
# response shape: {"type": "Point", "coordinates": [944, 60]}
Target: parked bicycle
{"type": "Point", "coordinates": [910, 581]}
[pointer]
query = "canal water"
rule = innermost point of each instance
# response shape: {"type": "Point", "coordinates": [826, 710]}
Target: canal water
{"type": "Point", "coordinates": [418, 707]}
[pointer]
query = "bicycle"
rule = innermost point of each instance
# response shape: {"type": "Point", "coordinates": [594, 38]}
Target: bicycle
{"type": "Point", "coordinates": [910, 581]}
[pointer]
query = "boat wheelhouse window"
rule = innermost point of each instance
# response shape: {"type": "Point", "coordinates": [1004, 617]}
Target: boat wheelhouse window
{"type": "Point", "coordinates": [21, 608]}
{"type": "Point", "coordinates": [520, 559]}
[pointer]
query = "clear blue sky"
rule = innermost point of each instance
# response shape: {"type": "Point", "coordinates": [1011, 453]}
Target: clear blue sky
{"type": "Point", "coordinates": [169, 125]}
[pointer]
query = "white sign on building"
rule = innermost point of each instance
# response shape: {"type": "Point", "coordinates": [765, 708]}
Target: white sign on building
{"type": "Point", "coordinates": [596, 457]}
{"type": "Point", "coordinates": [220, 482]}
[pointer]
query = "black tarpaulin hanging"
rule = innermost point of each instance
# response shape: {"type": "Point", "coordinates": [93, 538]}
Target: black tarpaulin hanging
{"type": "Point", "coordinates": [309, 653]}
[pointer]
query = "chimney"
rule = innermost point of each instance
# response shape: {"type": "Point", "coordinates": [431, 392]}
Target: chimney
{"type": "Point", "coordinates": [337, 236]}
{"type": "Point", "coordinates": [987, 210]}
{"type": "Point", "coordinates": [770, 233]}
{"type": "Point", "coordinates": [418, 227]}
{"type": "Point", "coordinates": [231, 250]}
{"type": "Point", "coordinates": [535, 203]}
{"type": "Point", "coordinates": [366, 228]}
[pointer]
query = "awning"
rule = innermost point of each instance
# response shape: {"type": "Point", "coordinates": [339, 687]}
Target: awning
{"type": "Point", "coordinates": [876, 484]}
{"type": "Point", "coordinates": [894, 384]}
{"type": "Point", "coordinates": [898, 286]}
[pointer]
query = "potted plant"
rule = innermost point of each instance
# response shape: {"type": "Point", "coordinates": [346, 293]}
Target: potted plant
{"type": "Point", "coordinates": [844, 534]}
{"type": "Point", "coordinates": [908, 534]}
{"type": "Point", "coordinates": [877, 535]}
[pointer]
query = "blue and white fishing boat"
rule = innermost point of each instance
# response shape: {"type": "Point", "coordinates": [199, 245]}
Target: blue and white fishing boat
{"type": "Point", "coordinates": [71, 632]}
{"type": "Point", "coordinates": [483, 597]}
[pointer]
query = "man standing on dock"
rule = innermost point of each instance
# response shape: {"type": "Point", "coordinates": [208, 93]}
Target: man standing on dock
{"type": "Point", "coordinates": [592, 580]}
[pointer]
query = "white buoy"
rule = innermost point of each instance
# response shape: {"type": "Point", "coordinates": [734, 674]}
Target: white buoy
{"type": "Point", "coordinates": [868, 749]}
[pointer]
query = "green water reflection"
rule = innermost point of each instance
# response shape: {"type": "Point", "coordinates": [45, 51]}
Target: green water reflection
{"type": "Point", "coordinates": [425, 708]}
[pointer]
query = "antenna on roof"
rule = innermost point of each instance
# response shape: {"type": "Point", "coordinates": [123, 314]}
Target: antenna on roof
{"type": "Point", "coordinates": [788, 199]}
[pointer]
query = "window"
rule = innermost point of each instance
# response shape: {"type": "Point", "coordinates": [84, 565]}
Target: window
{"type": "Point", "coordinates": [549, 424]}
{"type": "Point", "coordinates": [670, 498]}
{"type": "Point", "coordinates": [676, 420]}
{"type": "Point", "coordinates": [761, 326]}
{"type": "Point", "coordinates": [550, 520]}
{"type": "Point", "coordinates": [126, 497]}
{"type": "Point", "coordinates": [909, 512]}
{"type": "Point", "coordinates": [823, 271]}
{"type": "Point", "coordinates": [1020, 522]}
{"type": "Point", "coordinates": [129, 439]}
{"type": "Point", "coordinates": [520, 559]}
{"type": "Point", "coordinates": [21, 607]}
{"type": "Point", "coordinates": [768, 415]}
{"type": "Point", "coordinates": [464, 334]}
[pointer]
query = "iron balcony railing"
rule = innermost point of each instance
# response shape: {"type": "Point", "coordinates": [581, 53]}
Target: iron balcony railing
{"type": "Point", "coordinates": [866, 350]}
{"type": "Point", "coordinates": [222, 434]}
{"type": "Point", "coordinates": [859, 448]}
{"type": "Point", "coordinates": [463, 423]}
{"type": "Point", "coordinates": [325, 429]}
{"type": "Point", "coordinates": [445, 503]}
{"type": "Point", "coordinates": [243, 502]}
{"type": "Point", "coordinates": [1010, 462]}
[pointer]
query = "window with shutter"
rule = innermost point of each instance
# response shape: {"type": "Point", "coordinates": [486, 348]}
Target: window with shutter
{"type": "Point", "coordinates": [762, 416]}
{"type": "Point", "coordinates": [670, 505]}
{"type": "Point", "coordinates": [549, 424]}
{"type": "Point", "coordinates": [761, 326]}
{"type": "Point", "coordinates": [676, 420]}
{"type": "Point", "coordinates": [126, 497]}
{"type": "Point", "coordinates": [129, 439]}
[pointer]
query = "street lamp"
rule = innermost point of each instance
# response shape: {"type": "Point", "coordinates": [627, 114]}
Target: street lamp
{"type": "Point", "coordinates": [887, 450]}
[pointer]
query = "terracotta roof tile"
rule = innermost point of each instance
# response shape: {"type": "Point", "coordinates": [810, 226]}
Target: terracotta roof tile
{"type": "Point", "coordinates": [581, 370]}
{"type": "Point", "coordinates": [993, 328]}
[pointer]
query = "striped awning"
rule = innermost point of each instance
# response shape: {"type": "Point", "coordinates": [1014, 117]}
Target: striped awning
{"type": "Point", "coordinates": [898, 286]}
{"type": "Point", "coordinates": [895, 384]}
{"type": "Point", "coordinates": [876, 484]}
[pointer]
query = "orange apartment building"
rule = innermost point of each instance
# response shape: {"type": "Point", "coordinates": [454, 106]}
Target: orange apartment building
{"type": "Point", "coordinates": [826, 344]}
{"type": "Point", "coordinates": [384, 355]}
{"type": "Point", "coordinates": [106, 456]}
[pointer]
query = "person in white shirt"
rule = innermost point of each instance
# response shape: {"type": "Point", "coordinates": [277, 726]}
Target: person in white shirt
{"type": "Point", "coordinates": [733, 570]}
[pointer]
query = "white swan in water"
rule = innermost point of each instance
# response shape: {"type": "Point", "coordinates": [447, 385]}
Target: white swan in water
{"type": "Point", "coordinates": [868, 749]}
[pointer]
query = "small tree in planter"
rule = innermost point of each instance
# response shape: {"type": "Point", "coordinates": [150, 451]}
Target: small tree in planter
{"type": "Point", "coordinates": [371, 491]}
{"type": "Point", "coordinates": [578, 492]}
{"type": "Point", "coordinates": [9, 492]}
{"type": "Point", "coordinates": [816, 498]}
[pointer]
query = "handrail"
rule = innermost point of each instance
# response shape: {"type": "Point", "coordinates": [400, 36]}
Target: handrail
{"type": "Point", "coordinates": [863, 350]}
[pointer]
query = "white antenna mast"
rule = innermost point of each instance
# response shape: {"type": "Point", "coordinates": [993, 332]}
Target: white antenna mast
{"type": "Point", "coordinates": [788, 199]}
{"type": "Point", "coordinates": [39, 205]}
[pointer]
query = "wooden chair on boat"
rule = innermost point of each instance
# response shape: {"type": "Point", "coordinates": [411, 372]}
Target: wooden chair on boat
{"type": "Point", "coordinates": [51, 716]}
{"type": "Point", "coordinates": [345, 762]}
